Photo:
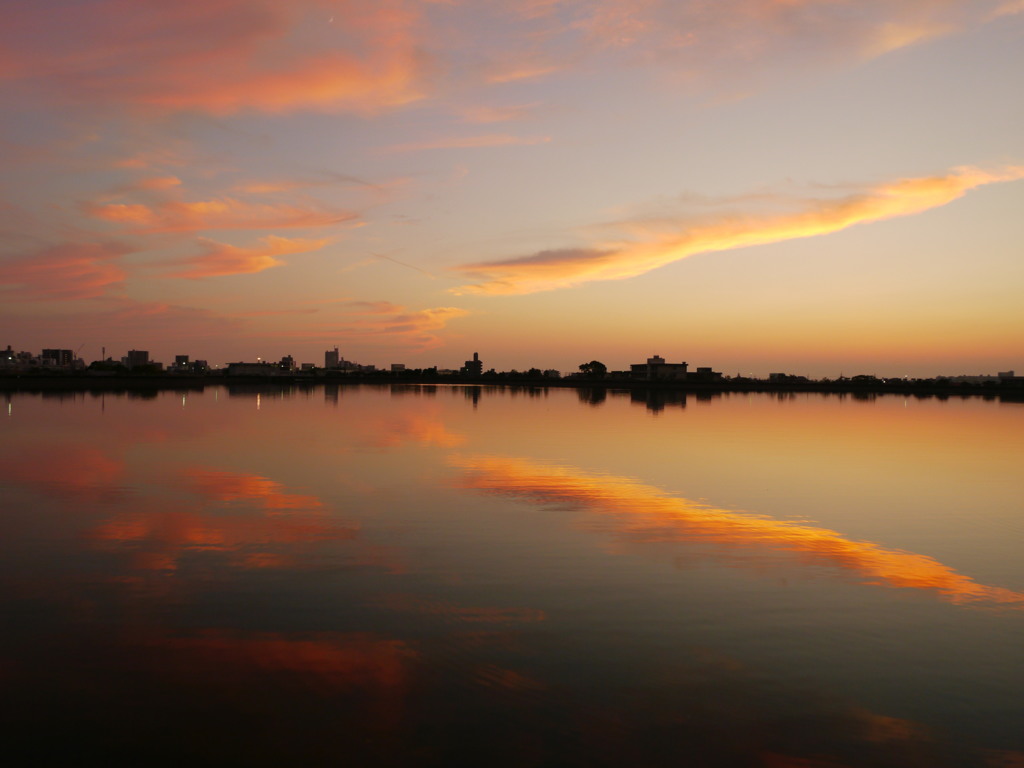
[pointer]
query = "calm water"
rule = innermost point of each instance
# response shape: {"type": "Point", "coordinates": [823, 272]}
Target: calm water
{"type": "Point", "coordinates": [456, 576]}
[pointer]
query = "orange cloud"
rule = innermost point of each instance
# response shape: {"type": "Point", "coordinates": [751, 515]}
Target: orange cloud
{"type": "Point", "coordinates": [644, 514]}
{"type": "Point", "coordinates": [892, 36]}
{"type": "Point", "coordinates": [223, 259]}
{"type": "Point", "coordinates": [237, 529]}
{"type": "Point", "coordinates": [65, 272]}
{"type": "Point", "coordinates": [381, 320]}
{"type": "Point", "coordinates": [220, 56]}
{"type": "Point", "coordinates": [521, 72]}
{"type": "Point", "coordinates": [416, 327]}
{"type": "Point", "coordinates": [219, 213]}
{"type": "Point", "coordinates": [232, 486]}
{"type": "Point", "coordinates": [408, 427]}
{"type": "Point", "coordinates": [651, 247]}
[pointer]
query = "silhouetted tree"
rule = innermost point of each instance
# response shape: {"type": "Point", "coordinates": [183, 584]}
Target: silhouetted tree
{"type": "Point", "coordinates": [593, 368]}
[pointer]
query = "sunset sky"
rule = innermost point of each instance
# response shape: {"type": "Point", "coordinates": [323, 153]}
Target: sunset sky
{"type": "Point", "coordinates": [810, 186]}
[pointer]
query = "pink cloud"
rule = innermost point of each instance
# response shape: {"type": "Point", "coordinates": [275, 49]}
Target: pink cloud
{"type": "Point", "coordinates": [218, 56]}
{"type": "Point", "coordinates": [221, 259]}
{"type": "Point", "coordinates": [64, 272]}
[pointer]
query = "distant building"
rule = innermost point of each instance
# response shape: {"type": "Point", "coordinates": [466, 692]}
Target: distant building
{"type": "Point", "coordinates": [253, 369]}
{"type": "Point", "coordinates": [704, 374]}
{"type": "Point", "coordinates": [136, 358]}
{"type": "Point", "coordinates": [331, 358]}
{"type": "Point", "coordinates": [1002, 374]}
{"type": "Point", "coordinates": [474, 367]}
{"type": "Point", "coordinates": [61, 358]}
{"type": "Point", "coordinates": [287, 363]}
{"type": "Point", "coordinates": [398, 367]}
{"type": "Point", "coordinates": [656, 369]}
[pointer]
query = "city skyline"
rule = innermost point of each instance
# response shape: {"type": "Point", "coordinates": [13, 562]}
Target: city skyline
{"type": "Point", "coordinates": [758, 185]}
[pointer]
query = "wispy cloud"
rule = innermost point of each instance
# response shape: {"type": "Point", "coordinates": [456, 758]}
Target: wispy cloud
{"type": "Point", "coordinates": [728, 41]}
{"type": "Point", "coordinates": [63, 272]}
{"type": "Point", "coordinates": [216, 213]}
{"type": "Point", "coordinates": [498, 114]}
{"type": "Point", "coordinates": [650, 246]}
{"type": "Point", "coordinates": [382, 322]}
{"type": "Point", "coordinates": [1010, 8]}
{"type": "Point", "coordinates": [470, 142]}
{"type": "Point", "coordinates": [524, 71]}
{"type": "Point", "coordinates": [221, 259]}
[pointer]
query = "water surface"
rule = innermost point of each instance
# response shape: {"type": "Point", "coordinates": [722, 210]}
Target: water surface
{"type": "Point", "coordinates": [455, 575]}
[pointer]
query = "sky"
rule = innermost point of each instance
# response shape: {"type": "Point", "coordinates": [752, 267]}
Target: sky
{"type": "Point", "coordinates": [817, 187]}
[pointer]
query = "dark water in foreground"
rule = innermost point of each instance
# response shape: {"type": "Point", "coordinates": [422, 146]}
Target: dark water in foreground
{"type": "Point", "coordinates": [449, 576]}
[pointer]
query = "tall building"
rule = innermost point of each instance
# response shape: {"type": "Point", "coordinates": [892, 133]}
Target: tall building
{"type": "Point", "coordinates": [474, 367]}
{"type": "Point", "coordinates": [331, 358]}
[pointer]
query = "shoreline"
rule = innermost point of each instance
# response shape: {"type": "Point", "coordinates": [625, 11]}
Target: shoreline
{"type": "Point", "coordinates": [33, 382]}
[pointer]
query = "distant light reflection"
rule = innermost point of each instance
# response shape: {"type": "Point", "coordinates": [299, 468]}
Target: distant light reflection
{"type": "Point", "coordinates": [645, 514]}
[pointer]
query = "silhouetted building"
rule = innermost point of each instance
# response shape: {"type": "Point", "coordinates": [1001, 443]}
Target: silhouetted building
{"type": "Point", "coordinates": [136, 358]}
{"type": "Point", "coordinates": [656, 369]}
{"type": "Point", "coordinates": [287, 364]}
{"type": "Point", "coordinates": [62, 358]}
{"type": "Point", "coordinates": [398, 368]}
{"type": "Point", "coordinates": [253, 369]}
{"type": "Point", "coordinates": [474, 367]}
{"type": "Point", "coordinates": [331, 358]}
{"type": "Point", "coordinates": [704, 374]}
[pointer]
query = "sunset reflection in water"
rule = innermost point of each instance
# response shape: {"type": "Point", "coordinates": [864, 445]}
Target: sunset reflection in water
{"type": "Point", "coordinates": [646, 515]}
{"type": "Point", "coordinates": [472, 576]}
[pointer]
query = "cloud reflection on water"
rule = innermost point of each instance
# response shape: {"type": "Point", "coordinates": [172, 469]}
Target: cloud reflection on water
{"type": "Point", "coordinates": [644, 514]}
{"type": "Point", "coordinates": [264, 537]}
